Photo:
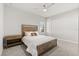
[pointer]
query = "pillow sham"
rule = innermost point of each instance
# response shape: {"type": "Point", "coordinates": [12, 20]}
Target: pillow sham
{"type": "Point", "coordinates": [36, 32]}
{"type": "Point", "coordinates": [27, 34]}
{"type": "Point", "coordinates": [33, 34]}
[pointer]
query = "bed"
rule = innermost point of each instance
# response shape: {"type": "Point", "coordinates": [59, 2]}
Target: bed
{"type": "Point", "coordinates": [37, 45]}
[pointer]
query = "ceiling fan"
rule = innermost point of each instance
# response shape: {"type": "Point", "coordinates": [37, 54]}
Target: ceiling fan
{"type": "Point", "coordinates": [46, 6]}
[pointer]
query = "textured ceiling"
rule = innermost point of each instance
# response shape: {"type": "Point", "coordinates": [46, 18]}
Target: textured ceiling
{"type": "Point", "coordinates": [37, 8]}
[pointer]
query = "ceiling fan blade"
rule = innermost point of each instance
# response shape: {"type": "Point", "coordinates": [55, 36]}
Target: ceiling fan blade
{"type": "Point", "coordinates": [45, 6]}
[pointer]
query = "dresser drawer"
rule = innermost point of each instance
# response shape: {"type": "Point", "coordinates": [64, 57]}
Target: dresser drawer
{"type": "Point", "coordinates": [13, 41]}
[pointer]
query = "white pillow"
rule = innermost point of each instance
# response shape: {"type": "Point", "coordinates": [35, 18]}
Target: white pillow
{"type": "Point", "coordinates": [27, 33]}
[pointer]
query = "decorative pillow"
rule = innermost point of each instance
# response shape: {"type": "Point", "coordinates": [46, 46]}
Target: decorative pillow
{"type": "Point", "coordinates": [36, 32]}
{"type": "Point", "coordinates": [33, 34]}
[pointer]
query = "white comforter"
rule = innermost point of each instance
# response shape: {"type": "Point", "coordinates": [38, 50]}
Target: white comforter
{"type": "Point", "coordinates": [33, 41]}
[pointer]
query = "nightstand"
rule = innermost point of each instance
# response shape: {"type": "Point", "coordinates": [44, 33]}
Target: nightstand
{"type": "Point", "coordinates": [11, 40]}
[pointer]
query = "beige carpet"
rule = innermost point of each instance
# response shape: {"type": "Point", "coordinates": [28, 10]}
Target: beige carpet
{"type": "Point", "coordinates": [63, 49]}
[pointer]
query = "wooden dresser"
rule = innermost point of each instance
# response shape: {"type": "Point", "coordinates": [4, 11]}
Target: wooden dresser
{"type": "Point", "coordinates": [11, 40]}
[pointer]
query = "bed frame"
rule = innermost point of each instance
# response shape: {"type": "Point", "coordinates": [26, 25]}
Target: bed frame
{"type": "Point", "coordinates": [43, 47]}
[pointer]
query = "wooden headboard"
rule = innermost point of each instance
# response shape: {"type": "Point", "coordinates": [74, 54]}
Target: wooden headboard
{"type": "Point", "coordinates": [28, 28]}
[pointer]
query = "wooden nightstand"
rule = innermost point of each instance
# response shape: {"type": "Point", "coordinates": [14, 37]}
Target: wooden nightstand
{"type": "Point", "coordinates": [11, 40]}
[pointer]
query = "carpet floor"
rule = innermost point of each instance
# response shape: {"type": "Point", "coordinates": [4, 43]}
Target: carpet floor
{"type": "Point", "coordinates": [63, 49]}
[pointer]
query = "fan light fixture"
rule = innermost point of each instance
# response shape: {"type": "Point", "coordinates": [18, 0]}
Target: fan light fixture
{"type": "Point", "coordinates": [46, 6]}
{"type": "Point", "coordinates": [45, 10]}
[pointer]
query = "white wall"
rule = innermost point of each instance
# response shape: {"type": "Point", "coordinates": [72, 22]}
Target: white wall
{"type": "Point", "coordinates": [1, 28]}
{"type": "Point", "coordinates": [13, 18]}
{"type": "Point", "coordinates": [64, 26]}
{"type": "Point", "coordinates": [78, 26]}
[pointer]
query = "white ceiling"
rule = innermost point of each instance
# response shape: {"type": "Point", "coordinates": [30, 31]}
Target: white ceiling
{"type": "Point", "coordinates": [37, 8]}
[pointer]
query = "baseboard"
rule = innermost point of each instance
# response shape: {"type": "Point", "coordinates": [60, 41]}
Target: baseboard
{"type": "Point", "coordinates": [74, 42]}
